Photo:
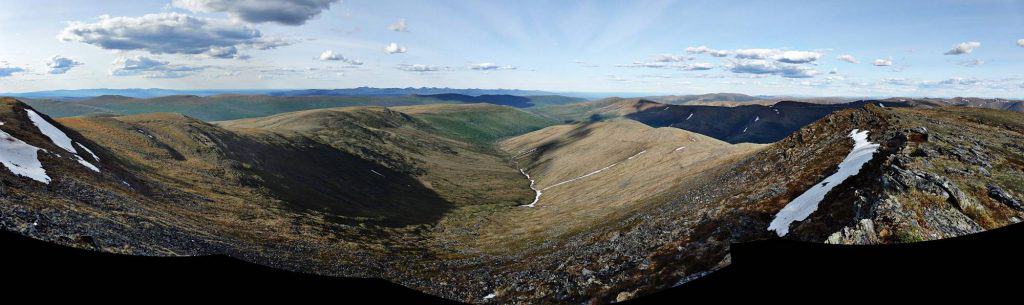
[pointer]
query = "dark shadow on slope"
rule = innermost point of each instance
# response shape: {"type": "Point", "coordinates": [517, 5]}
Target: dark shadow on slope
{"type": "Point", "coordinates": [309, 175]}
{"type": "Point", "coordinates": [748, 123]}
{"type": "Point", "coordinates": [497, 99]}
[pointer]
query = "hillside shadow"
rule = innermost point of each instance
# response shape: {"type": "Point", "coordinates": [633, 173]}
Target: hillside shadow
{"type": "Point", "coordinates": [311, 176]}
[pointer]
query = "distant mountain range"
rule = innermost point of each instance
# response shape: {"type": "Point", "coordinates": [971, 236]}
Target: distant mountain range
{"type": "Point", "coordinates": [360, 91]}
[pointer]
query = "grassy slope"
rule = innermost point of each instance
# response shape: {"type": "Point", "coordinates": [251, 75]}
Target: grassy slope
{"type": "Point", "coordinates": [477, 123]}
{"type": "Point", "coordinates": [565, 152]}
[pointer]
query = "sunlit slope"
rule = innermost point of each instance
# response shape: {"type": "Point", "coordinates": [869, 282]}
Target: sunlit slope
{"type": "Point", "coordinates": [589, 172]}
{"type": "Point", "coordinates": [461, 173]}
{"type": "Point", "coordinates": [478, 123]}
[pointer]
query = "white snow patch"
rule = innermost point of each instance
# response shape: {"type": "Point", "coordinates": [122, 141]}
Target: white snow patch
{"type": "Point", "coordinates": [94, 157]}
{"type": "Point", "coordinates": [679, 148]}
{"type": "Point", "coordinates": [688, 117]}
{"type": "Point", "coordinates": [21, 158]}
{"type": "Point", "coordinates": [375, 172]}
{"type": "Point", "coordinates": [744, 130]}
{"type": "Point", "coordinates": [489, 296]}
{"type": "Point", "coordinates": [805, 204]}
{"type": "Point", "coordinates": [58, 137]}
{"type": "Point", "coordinates": [881, 105]}
{"type": "Point", "coordinates": [777, 111]}
{"type": "Point", "coordinates": [757, 118]}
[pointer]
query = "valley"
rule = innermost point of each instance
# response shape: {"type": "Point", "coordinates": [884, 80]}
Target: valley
{"type": "Point", "coordinates": [596, 201]}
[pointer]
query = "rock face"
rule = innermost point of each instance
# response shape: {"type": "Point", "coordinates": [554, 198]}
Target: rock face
{"type": "Point", "coordinates": [1003, 197]}
{"type": "Point", "coordinates": [861, 234]}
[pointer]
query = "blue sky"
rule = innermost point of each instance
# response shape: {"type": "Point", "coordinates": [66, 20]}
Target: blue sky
{"type": "Point", "coordinates": [763, 47]}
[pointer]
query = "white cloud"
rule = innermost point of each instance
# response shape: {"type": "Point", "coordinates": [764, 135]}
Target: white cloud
{"type": "Point", "coordinates": [964, 48]}
{"type": "Point", "coordinates": [760, 66]}
{"type": "Point", "coordinates": [287, 12]}
{"type": "Point", "coordinates": [490, 66]}
{"type": "Point", "coordinates": [847, 58]}
{"type": "Point", "coordinates": [151, 68]}
{"type": "Point", "coordinates": [394, 48]}
{"type": "Point", "coordinates": [399, 26]}
{"type": "Point", "coordinates": [881, 62]}
{"type": "Point", "coordinates": [671, 58]}
{"type": "Point", "coordinates": [60, 65]}
{"type": "Point", "coordinates": [791, 57]}
{"type": "Point", "coordinates": [707, 50]}
{"type": "Point", "coordinates": [420, 68]}
{"type": "Point", "coordinates": [331, 56]}
{"type": "Point", "coordinates": [169, 33]}
{"type": "Point", "coordinates": [1020, 43]}
{"type": "Point", "coordinates": [697, 66]}
{"type": "Point", "coordinates": [757, 53]}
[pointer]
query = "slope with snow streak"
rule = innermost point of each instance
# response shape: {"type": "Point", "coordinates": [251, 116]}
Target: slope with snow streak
{"type": "Point", "coordinates": [21, 158]}
{"type": "Point", "coordinates": [59, 138]}
{"type": "Point", "coordinates": [805, 204]}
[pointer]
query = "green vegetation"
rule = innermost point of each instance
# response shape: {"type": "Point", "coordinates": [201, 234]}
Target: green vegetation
{"type": "Point", "coordinates": [479, 123]}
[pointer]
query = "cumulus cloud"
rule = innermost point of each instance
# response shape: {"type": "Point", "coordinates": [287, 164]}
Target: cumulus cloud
{"type": "Point", "coordinates": [798, 57]}
{"type": "Point", "coordinates": [881, 62]}
{"type": "Point", "coordinates": [757, 53]}
{"type": "Point", "coordinates": [151, 68]}
{"type": "Point", "coordinates": [332, 56]}
{"type": "Point", "coordinates": [707, 50]}
{"type": "Point", "coordinates": [60, 65]}
{"type": "Point", "coordinates": [847, 58]}
{"type": "Point", "coordinates": [766, 67]}
{"type": "Point", "coordinates": [1020, 43]}
{"type": "Point", "coordinates": [700, 66]}
{"type": "Point", "coordinates": [670, 58]}
{"type": "Point", "coordinates": [169, 33]}
{"type": "Point", "coordinates": [399, 26]}
{"type": "Point", "coordinates": [792, 57]}
{"type": "Point", "coordinates": [7, 70]}
{"type": "Point", "coordinates": [964, 48]}
{"type": "Point", "coordinates": [420, 68]}
{"type": "Point", "coordinates": [394, 48]}
{"type": "Point", "coordinates": [287, 12]}
{"type": "Point", "coordinates": [490, 66]}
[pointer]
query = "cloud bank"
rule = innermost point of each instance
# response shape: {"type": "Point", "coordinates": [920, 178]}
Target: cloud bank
{"type": "Point", "coordinates": [286, 12]}
{"type": "Point", "coordinates": [170, 33]}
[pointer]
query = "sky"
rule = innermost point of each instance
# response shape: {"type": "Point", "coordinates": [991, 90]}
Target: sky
{"type": "Point", "coordinates": [938, 48]}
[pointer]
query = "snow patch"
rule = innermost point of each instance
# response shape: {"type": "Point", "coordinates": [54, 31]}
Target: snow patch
{"type": "Point", "coordinates": [489, 296]}
{"type": "Point", "coordinates": [881, 105]}
{"type": "Point", "coordinates": [679, 148]}
{"type": "Point", "coordinates": [21, 158]}
{"type": "Point", "coordinates": [688, 117]}
{"type": "Point", "coordinates": [805, 204]}
{"type": "Point", "coordinates": [375, 172]}
{"type": "Point", "coordinates": [58, 137]}
{"type": "Point", "coordinates": [94, 157]}
{"type": "Point", "coordinates": [757, 118]}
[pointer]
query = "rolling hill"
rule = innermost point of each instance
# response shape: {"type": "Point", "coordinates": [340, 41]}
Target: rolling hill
{"type": "Point", "coordinates": [504, 206]}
